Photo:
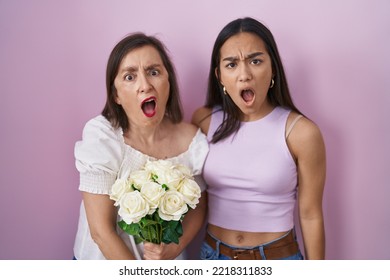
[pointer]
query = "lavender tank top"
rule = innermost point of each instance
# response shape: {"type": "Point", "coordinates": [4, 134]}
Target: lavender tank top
{"type": "Point", "coordinates": [251, 176]}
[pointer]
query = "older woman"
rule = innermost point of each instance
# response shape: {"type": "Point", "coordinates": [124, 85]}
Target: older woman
{"type": "Point", "coordinates": [141, 121]}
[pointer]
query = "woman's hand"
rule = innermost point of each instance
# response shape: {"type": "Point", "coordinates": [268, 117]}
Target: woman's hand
{"type": "Point", "coordinates": [161, 251]}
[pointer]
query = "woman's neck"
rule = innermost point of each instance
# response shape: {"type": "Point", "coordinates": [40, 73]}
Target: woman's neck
{"type": "Point", "coordinates": [147, 139]}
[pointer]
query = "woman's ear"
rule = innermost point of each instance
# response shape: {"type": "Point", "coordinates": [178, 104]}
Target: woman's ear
{"type": "Point", "coordinates": [216, 71]}
{"type": "Point", "coordinates": [115, 93]}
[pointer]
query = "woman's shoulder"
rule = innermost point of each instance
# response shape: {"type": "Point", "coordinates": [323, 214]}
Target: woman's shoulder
{"type": "Point", "coordinates": [202, 118]}
{"type": "Point", "coordinates": [186, 130]}
{"type": "Point", "coordinates": [305, 135]}
{"type": "Point", "coordinates": [99, 122]}
{"type": "Point", "coordinates": [101, 127]}
{"type": "Point", "coordinates": [195, 146]}
{"type": "Point", "coordinates": [302, 126]}
{"type": "Point", "coordinates": [186, 134]}
{"type": "Point", "coordinates": [98, 155]}
{"type": "Point", "coordinates": [200, 114]}
{"type": "Point", "coordinates": [98, 134]}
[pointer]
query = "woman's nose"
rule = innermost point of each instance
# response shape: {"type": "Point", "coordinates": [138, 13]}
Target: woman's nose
{"type": "Point", "coordinates": [143, 83]}
{"type": "Point", "coordinates": [245, 73]}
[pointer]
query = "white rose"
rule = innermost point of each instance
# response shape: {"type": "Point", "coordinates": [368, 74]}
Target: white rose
{"type": "Point", "coordinates": [184, 170]}
{"type": "Point", "coordinates": [139, 177]}
{"type": "Point", "coordinates": [119, 188]}
{"type": "Point", "coordinates": [165, 172]}
{"type": "Point", "coordinates": [158, 166]}
{"type": "Point", "coordinates": [171, 178]}
{"type": "Point", "coordinates": [176, 175]}
{"type": "Point", "coordinates": [172, 206]}
{"type": "Point", "coordinates": [152, 192]}
{"type": "Point", "coordinates": [190, 191]}
{"type": "Point", "coordinates": [133, 207]}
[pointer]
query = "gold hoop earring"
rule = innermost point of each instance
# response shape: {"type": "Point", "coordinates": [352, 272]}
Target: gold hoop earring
{"type": "Point", "coordinates": [272, 83]}
{"type": "Point", "coordinates": [224, 90]}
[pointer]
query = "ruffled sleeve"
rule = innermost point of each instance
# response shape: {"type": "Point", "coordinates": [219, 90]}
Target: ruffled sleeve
{"type": "Point", "coordinates": [98, 156]}
{"type": "Point", "coordinates": [198, 153]}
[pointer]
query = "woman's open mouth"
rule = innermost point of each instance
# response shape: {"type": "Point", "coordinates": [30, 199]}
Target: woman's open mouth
{"type": "Point", "coordinates": [247, 95]}
{"type": "Point", "coordinates": [148, 106]}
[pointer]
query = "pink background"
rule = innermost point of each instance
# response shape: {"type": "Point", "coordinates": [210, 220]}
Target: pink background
{"type": "Point", "coordinates": [52, 64]}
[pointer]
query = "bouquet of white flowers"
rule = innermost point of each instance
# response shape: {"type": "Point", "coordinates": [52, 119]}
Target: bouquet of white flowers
{"type": "Point", "coordinates": [153, 201]}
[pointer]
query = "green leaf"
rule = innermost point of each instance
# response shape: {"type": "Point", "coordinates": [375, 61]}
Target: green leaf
{"type": "Point", "coordinates": [143, 234]}
{"type": "Point", "coordinates": [153, 229]}
{"type": "Point", "coordinates": [154, 178]}
{"type": "Point", "coordinates": [165, 187]}
{"type": "Point", "coordinates": [138, 239]}
{"type": "Point", "coordinates": [179, 229]}
{"type": "Point", "coordinates": [122, 224]}
{"type": "Point", "coordinates": [132, 229]}
{"type": "Point", "coordinates": [169, 236]}
{"type": "Point", "coordinates": [157, 218]}
{"type": "Point", "coordinates": [152, 234]}
{"type": "Point", "coordinates": [171, 224]}
{"type": "Point", "coordinates": [172, 232]}
{"type": "Point", "coordinates": [147, 221]}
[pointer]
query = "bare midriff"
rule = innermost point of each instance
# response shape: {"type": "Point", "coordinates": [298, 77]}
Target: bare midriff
{"type": "Point", "coordinates": [243, 238]}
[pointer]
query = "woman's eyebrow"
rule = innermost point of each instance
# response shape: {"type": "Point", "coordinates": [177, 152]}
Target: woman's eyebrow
{"type": "Point", "coordinates": [129, 69]}
{"type": "Point", "coordinates": [234, 58]}
{"type": "Point", "coordinates": [252, 55]}
{"type": "Point", "coordinates": [134, 68]}
{"type": "Point", "coordinates": [152, 66]}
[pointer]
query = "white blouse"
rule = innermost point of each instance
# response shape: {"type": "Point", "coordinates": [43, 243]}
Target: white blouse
{"type": "Point", "coordinates": [101, 157]}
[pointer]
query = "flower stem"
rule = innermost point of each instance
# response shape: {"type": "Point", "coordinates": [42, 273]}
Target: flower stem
{"type": "Point", "coordinates": [149, 235]}
{"type": "Point", "coordinates": [158, 231]}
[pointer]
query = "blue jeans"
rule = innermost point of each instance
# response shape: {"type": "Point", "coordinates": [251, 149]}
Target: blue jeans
{"type": "Point", "coordinates": [208, 253]}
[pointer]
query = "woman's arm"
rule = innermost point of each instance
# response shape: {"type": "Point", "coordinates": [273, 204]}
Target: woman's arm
{"type": "Point", "coordinates": [101, 216]}
{"type": "Point", "coordinates": [307, 145]}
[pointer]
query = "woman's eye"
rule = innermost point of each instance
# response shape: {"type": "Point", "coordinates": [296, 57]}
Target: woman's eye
{"type": "Point", "coordinates": [231, 65]}
{"type": "Point", "coordinates": [154, 72]}
{"type": "Point", "coordinates": [256, 61]}
{"type": "Point", "coordinates": [129, 77]}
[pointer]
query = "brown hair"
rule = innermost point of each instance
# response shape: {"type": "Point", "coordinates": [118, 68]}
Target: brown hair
{"type": "Point", "coordinates": [278, 95]}
{"type": "Point", "coordinates": [114, 112]}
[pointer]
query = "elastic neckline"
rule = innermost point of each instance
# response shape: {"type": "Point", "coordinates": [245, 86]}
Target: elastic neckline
{"type": "Point", "coordinates": [129, 147]}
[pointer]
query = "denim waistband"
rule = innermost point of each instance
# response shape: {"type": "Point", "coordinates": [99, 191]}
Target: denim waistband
{"type": "Point", "coordinates": [279, 248]}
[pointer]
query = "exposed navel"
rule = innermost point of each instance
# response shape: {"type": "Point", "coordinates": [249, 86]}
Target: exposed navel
{"type": "Point", "coordinates": [240, 238]}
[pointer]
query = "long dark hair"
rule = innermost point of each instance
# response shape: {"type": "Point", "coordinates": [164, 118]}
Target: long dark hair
{"type": "Point", "coordinates": [278, 95]}
{"type": "Point", "coordinates": [114, 112]}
